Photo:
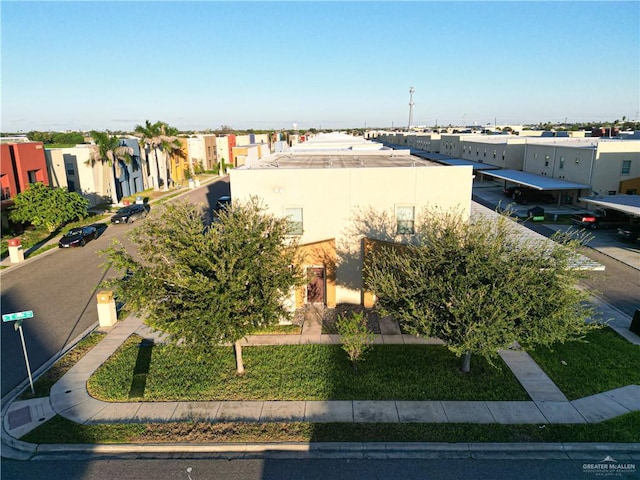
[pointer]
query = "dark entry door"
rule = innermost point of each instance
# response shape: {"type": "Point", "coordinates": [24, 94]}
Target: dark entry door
{"type": "Point", "coordinates": [315, 287]}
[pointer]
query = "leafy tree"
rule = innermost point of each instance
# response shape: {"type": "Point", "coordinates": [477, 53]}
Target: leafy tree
{"type": "Point", "coordinates": [107, 150]}
{"type": "Point", "coordinates": [160, 138]}
{"type": "Point", "coordinates": [478, 287]}
{"type": "Point", "coordinates": [70, 138]}
{"type": "Point", "coordinates": [208, 285]}
{"type": "Point", "coordinates": [355, 336]}
{"type": "Point", "coordinates": [48, 207]}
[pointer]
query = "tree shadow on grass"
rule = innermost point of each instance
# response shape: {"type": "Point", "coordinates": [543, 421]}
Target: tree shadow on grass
{"type": "Point", "coordinates": [141, 369]}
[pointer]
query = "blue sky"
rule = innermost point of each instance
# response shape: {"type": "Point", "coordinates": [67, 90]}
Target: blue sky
{"type": "Point", "coordinates": [196, 65]}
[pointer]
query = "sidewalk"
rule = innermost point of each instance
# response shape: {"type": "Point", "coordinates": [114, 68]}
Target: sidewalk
{"type": "Point", "coordinates": [70, 399]}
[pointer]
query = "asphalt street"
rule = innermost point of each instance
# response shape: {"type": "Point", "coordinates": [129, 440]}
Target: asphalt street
{"type": "Point", "coordinates": [60, 287]}
{"type": "Point", "coordinates": [500, 467]}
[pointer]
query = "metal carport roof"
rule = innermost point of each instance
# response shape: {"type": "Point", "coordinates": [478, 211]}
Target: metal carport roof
{"type": "Point", "coordinates": [539, 182]}
{"type": "Point", "coordinates": [447, 160]}
{"type": "Point", "coordinates": [629, 204]}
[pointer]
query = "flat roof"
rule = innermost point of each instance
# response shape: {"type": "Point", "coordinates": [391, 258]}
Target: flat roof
{"type": "Point", "coordinates": [447, 160]}
{"type": "Point", "coordinates": [539, 182]}
{"type": "Point", "coordinates": [629, 204]}
{"type": "Point", "coordinates": [337, 160]}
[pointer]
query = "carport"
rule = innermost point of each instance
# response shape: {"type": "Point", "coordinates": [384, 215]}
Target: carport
{"type": "Point", "coordinates": [447, 160]}
{"type": "Point", "coordinates": [629, 204]}
{"type": "Point", "coordinates": [538, 182]}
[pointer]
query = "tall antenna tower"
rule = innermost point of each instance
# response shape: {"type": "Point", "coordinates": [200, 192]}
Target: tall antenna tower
{"type": "Point", "coordinates": [411, 104]}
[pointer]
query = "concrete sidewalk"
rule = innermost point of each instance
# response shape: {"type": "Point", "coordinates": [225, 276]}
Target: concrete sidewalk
{"type": "Point", "coordinates": [70, 399]}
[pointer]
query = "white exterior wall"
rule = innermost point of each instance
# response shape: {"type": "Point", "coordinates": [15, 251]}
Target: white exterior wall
{"type": "Point", "coordinates": [329, 197]}
{"type": "Point", "coordinates": [196, 150]}
{"type": "Point", "coordinates": [55, 165]}
{"type": "Point", "coordinates": [222, 149]}
{"type": "Point", "coordinates": [242, 140]}
{"type": "Point", "coordinates": [93, 183]}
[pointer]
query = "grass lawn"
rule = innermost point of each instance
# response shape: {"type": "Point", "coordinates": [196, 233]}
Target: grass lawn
{"type": "Point", "coordinates": [580, 369]}
{"type": "Point", "coordinates": [624, 429]}
{"type": "Point", "coordinates": [297, 372]}
{"type": "Point", "coordinates": [43, 384]}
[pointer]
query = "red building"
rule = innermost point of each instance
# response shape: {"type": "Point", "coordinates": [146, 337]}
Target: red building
{"type": "Point", "coordinates": [20, 165]}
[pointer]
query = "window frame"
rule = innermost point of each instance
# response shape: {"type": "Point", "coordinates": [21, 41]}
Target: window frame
{"type": "Point", "coordinates": [291, 223]}
{"type": "Point", "coordinates": [405, 226]}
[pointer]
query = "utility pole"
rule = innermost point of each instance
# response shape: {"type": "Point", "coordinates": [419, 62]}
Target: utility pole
{"type": "Point", "coordinates": [411, 104]}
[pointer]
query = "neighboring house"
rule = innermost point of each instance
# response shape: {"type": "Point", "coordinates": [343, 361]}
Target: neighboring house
{"type": "Point", "coordinates": [178, 164]}
{"type": "Point", "coordinates": [223, 151]}
{"type": "Point", "coordinates": [249, 154]}
{"type": "Point", "coordinates": [71, 168]}
{"type": "Point", "coordinates": [322, 193]}
{"type": "Point", "coordinates": [21, 164]}
{"type": "Point", "coordinates": [196, 151]}
{"type": "Point", "coordinates": [132, 176]}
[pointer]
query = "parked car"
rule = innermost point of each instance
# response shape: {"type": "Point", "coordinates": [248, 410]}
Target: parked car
{"type": "Point", "coordinates": [525, 195]}
{"type": "Point", "coordinates": [222, 203]}
{"type": "Point", "coordinates": [78, 237]}
{"type": "Point", "coordinates": [601, 218]}
{"type": "Point", "coordinates": [630, 233]}
{"type": "Point", "coordinates": [131, 213]}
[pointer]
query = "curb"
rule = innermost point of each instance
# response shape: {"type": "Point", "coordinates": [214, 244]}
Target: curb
{"type": "Point", "coordinates": [559, 451]}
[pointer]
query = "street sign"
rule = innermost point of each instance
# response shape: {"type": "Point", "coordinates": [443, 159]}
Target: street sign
{"type": "Point", "coordinates": [12, 317]}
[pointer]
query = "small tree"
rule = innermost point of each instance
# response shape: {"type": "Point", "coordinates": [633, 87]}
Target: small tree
{"type": "Point", "coordinates": [355, 336]}
{"type": "Point", "coordinates": [208, 285]}
{"type": "Point", "coordinates": [479, 287]}
{"type": "Point", "coordinates": [47, 207]}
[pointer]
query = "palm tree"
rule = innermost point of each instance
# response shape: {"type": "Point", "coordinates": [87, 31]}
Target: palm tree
{"type": "Point", "coordinates": [159, 137]}
{"type": "Point", "coordinates": [108, 151]}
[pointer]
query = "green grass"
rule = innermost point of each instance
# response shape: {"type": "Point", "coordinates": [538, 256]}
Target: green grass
{"type": "Point", "coordinates": [624, 429]}
{"type": "Point", "coordinates": [43, 384]}
{"type": "Point", "coordinates": [280, 330]}
{"type": "Point", "coordinates": [299, 372]}
{"type": "Point", "coordinates": [580, 369]}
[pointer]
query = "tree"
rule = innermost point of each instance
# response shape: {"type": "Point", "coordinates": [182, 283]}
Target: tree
{"type": "Point", "coordinates": [48, 207]}
{"type": "Point", "coordinates": [208, 285]}
{"type": "Point", "coordinates": [478, 287]}
{"type": "Point", "coordinates": [108, 151]}
{"type": "Point", "coordinates": [159, 137]}
{"type": "Point", "coordinates": [355, 336]}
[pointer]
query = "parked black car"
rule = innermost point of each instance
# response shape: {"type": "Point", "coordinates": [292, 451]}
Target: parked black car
{"type": "Point", "coordinates": [131, 213]}
{"type": "Point", "coordinates": [78, 237]}
{"type": "Point", "coordinates": [630, 233]}
{"type": "Point", "coordinates": [525, 195]}
{"type": "Point", "coordinates": [222, 203]}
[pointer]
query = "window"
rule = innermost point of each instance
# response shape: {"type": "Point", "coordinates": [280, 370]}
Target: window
{"type": "Point", "coordinates": [70, 169]}
{"type": "Point", "coordinates": [626, 167]}
{"type": "Point", "coordinates": [294, 216]}
{"type": "Point", "coordinates": [71, 186]}
{"type": "Point", "coordinates": [405, 219]}
{"type": "Point", "coordinates": [561, 165]}
{"type": "Point", "coordinates": [33, 175]}
{"type": "Point", "coordinates": [611, 192]}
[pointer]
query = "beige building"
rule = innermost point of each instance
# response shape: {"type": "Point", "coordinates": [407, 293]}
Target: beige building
{"type": "Point", "coordinates": [69, 167]}
{"type": "Point", "coordinates": [604, 164]}
{"type": "Point", "coordinates": [336, 200]}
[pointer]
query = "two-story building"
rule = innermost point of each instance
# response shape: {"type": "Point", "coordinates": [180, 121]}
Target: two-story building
{"type": "Point", "coordinates": [334, 200]}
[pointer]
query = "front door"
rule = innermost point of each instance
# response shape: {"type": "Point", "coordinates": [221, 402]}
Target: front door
{"type": "Point", "coordinates": [315, 287]}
